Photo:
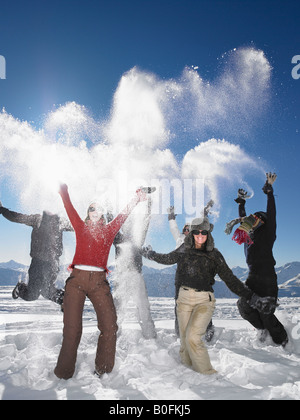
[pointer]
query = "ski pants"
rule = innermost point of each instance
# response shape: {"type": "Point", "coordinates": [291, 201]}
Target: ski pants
{"type": "Point", "coordinates": [263, 322]}
{"type": "Point", "coordinates": [194, 311]}
{"type": "Point", "coordinates": [177, 288]}
{"type": "Point", "coordinates": [79, 285]}
{"type": "Point", "coordinates": [42, 276]}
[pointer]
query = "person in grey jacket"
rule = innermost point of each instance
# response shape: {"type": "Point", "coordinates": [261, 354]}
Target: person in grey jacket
{"type": "Point", "coordinates": [198, 262]}
{"type": "Point", "coordinates": [46, 249]}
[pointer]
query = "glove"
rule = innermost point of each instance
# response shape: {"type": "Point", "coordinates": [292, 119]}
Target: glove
{"type": "Point", "coordinates": [148, 190]}
{"type": "Point", "coordinates": [208, 207]}
{"type": "Point", "coordinates": [265, 305]}
{"type": "Point", "coordinates": [171, 214]}
{"type": "Point", "coordinates": [242, 196]}
{"type": "Point", "coordinates": [229, 225]}
{"type": "Point", "coordinates": [63, 189]}
{"type": "Point", "coordinates": [141, 195]}
{"type": "Point", "coordinates": [109, 216]}
{"type": "Point", "coordinates": [271, 178]}
{"type": "Point", "coordinates": [147, 252]}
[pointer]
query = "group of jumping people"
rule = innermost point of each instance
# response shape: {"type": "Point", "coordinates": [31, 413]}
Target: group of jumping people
{"type": "Point", "coordinates": [197, 259]}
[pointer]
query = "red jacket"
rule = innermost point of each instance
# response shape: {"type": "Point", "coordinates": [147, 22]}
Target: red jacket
{"type": "Point", "coordinates": [93, 241]}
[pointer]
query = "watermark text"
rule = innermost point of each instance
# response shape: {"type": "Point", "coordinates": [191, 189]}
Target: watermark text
{"type": "Point", "coordinates": [2, 67]}
{"type": "Point", "coordinates": [296, 68]}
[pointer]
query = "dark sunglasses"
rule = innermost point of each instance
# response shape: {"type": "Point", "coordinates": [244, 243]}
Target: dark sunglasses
{"type": "Point", "coordinates": [186, 230]}
{"type": "Point", "coordinates": [197, 232]}
{"type": "Point", "coordinates": [91, 209]}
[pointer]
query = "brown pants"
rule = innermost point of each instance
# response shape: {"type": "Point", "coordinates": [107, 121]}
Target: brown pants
{"type": "Point", "coordinates": [94, 285]}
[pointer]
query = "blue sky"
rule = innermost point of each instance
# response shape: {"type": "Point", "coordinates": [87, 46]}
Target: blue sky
{"type": "Point", "coordinates": [62, 51]}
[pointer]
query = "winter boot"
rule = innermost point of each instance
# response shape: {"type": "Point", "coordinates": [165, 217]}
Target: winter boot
{"type": "Point", "coordinates": [262, 335]}
{"type": "Point", "coordinates": [58, 296]}
{"type": "Point", "coordinates": [16, 291]}
{"type": "Point", "coordinates": [99, 375]}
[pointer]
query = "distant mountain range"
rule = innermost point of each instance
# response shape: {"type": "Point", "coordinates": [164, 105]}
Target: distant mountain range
{"type": "Point", "coordinates": [160, 282]}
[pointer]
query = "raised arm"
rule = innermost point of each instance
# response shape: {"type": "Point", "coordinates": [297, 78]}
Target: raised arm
{"type": "Point", "coordinates": [118, 221]}
{"type": "Point", "coordinates": [173, 224]}
{"type": "Point", "coordinates": [166, 259]}
{"type": "Point", "coordinates": [241, 200]}
{"type": "Point", "coordinates": [12, 216]}
{"type": "Point", "coordinates": [271, 207]}
{"type": "Point", "coordinates": [71, 212]}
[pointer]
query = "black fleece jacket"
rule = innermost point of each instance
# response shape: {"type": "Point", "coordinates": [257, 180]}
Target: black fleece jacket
{"type": "Point", "coordinates": [197, 269]}
{"type": "Point", "coordinates": [259, 255]}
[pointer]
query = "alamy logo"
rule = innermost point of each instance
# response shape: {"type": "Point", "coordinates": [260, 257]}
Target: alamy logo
{"type": "Point", "coordinates": [2, 67]}
{"type": "Point", "coordinates": [296, 69]}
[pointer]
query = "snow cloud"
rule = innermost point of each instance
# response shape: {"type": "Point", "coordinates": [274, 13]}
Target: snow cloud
{"type": "Point", "coordinates": [105, 159]}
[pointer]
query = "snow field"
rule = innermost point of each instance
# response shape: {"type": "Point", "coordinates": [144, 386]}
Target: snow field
{"type": "Point", "coordinates": [30, 339]}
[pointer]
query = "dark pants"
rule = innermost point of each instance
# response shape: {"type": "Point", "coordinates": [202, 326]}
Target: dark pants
{"type": "Point", "coordinates": [263, 322]}
{"type": "Point", "coordinates": [91, 284]}
{"type": "Point", "coordinates": [42, 276]}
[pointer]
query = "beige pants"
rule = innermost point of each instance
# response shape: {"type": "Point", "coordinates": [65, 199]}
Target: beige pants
{"type": "Point", "coordinates": [194, 312]}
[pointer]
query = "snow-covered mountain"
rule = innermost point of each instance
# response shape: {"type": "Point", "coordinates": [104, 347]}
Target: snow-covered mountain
{"type": "Point", "coordinates": [160, 282]}
{"type": "Point", "coordinates": [13, 265]}
{"type": "Point", "coordinates": [11, 272]}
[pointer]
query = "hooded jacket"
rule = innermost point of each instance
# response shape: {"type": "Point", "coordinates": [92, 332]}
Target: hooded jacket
{"type": "Point", "coordinates": [197, 268]}
{"type": "Point", "coordinates": [47, 232]}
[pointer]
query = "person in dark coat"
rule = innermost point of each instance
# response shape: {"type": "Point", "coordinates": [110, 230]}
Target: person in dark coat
{"type": "Point", "coordinates": [46, 249]}
{"type": "Point", "coordinates": [258, 233]}
{"type": "Point", "coordinates": [198, 262]}
{"type": "Point", "coordinates": [179, 238]}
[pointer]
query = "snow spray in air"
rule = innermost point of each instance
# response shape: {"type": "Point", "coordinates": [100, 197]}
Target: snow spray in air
{"type": "Point", "coordinates": [107, 160]}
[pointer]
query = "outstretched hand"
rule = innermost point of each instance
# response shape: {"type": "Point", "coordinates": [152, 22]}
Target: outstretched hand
{"type": "Point", "coordinates": [63, 188]}
{"type": "Point", "coordinates": [147, 251]}
{"type": "Point", "coordinates": [242, 196]}
{"type": "Point", "coordinates": [271, 178]}
{"type": "Point", "coordinates": [265, 305]}
{"type": "Point", "coordinates": [141, 195]}
{"type": "Point", "coordinates": [171, 213]}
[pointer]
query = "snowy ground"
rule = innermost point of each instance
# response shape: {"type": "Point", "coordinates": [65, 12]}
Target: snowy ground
{"type": "Point", "coordinates": [30, 337]}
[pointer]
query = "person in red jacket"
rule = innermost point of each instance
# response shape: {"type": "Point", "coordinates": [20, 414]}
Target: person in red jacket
{"type": "Point", "coordinates": [89, 267]}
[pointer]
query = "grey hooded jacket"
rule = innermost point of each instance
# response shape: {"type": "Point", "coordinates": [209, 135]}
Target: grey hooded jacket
{"type": "Point", "coordinates": [47, 232]}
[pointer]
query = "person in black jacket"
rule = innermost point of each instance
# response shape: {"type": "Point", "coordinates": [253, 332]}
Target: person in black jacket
{"type": "Point", "coordinates": [198, 262]}
{"type": "Point", "coordinates": [258, 233]}
{"type": "Point", "coordinates": [46, 249]}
